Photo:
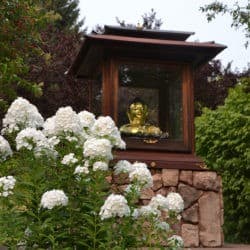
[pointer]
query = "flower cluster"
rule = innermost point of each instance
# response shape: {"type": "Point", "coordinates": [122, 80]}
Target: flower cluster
{"type": "Point", "coordinates": [122, 166]}
{"type": "Point", "coordinates": [87, 119]}
{"type": "Point", "coordinates": [33, 139]}
{"type": "Point", "coordinates": [94, 148]}
{"type": "Point", "coordinates": [163, 225]}
{"type": "Point", "coordinates": [5, 150]}
{"type": "Point", "coordinates": [115, 205]}
{"type": "Point", "coordinates": [174, 202]}
{"type": "Point", "coordinates": [100, 165]}
{"type": "Point", "coordinates": [159, 202]}
{"type": "Point", "coordinates": [7, 183]}
{"type": "Point", "coordinates": [21, 114]}
{"type": "Point", "coordinates": [104, 126]}
{"type": "Point", "coordinates": [69, 159]}
{"type": "Point", "coordinates": [53, 198]}
{"type": "Point", "coordinates": [146, 211]}
{"type": "Point", "coordinates": [141, 175]}
{"type": "Point", "coordinates": [66, 120]}
{"type": "Point", "coordinates": [138, 172]}
{"type": "Point", "coordinates": [81, 170]}
{"type": "Point", "coordinates": [175, 241]}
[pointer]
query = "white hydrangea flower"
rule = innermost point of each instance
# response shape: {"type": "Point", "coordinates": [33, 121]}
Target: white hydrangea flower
{"type": "Point", "coordinates": [49, 126]}
{"type": "Point", "coordinates": [159, 202]}
{"type": "Point", "coordinates": [69, 159]}
{"type": "Point", "coordinates": [123, 166]}
{"type": "Point", "coordinates": [176, 241]}
{"type": "Point", "coordinates": [114, 205]}
{"type": "Point", "coordinates": [87, 119]}
{"type": "Point", "coordinates": [81, 170]}
{"type": "Point", "coordinates": [97, 148]}
{"type": "Point", "coordinates": [7, 184]}
{"type": "Point", "coordinates": [53, 198]}
{"type": "Point", "coordinates": [53, 141]}
{"type": "Point", "coordinates": [71, 138]}
{"type": "Point", "coordinates": [133, 188]}
{"type": "Point", "coordinates": [146, 211]}
{"type": "Point", "coordinates": [175, 202]}
{"type": "Point", "coordinates": [21, 114]}
{"type": "Point", "coordinates": [65, 123]}
{"type": "Point", "coordinates": [116, 139]}
{"type": "Point", "coordinates": [5, 150]}
{"type": "Point", "coordinates": [67, 120]}
{"type": "Point", "coordinates": [103, 126]}
{"type": "Point", "coordinates": [33, 139]}
{"type": "Point", "coordinates": [163, 226]}
{"type": "Point", "coordinates": [141, 175]}
{"type": "Point", "coordinates": [100, 165]}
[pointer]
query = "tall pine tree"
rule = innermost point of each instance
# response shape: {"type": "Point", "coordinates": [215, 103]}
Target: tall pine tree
{"type": "Point", "coordinates": [68, 11]}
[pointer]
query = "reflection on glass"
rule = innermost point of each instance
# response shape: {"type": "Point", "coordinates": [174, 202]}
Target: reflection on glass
{"type": "Point", "coordinates": [150, 101]}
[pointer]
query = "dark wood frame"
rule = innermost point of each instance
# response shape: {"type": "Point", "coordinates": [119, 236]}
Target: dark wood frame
{"type": "Point", "coordinates": [110, 80]}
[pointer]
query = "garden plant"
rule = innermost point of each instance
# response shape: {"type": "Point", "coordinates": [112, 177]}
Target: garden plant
{"type": "Point", "coordinates": [57, 189]}
{"type": "Point", "coordinates": [222, 139]}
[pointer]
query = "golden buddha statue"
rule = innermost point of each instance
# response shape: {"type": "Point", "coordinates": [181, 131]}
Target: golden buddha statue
{"type": "Point", "coordinates": [137, 114]}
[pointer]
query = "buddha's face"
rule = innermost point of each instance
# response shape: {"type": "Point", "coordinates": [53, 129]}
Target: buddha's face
{"type": "Point", "coordinates": [137, 109]}
{"type": "Point", "coordinates": [138, 113]}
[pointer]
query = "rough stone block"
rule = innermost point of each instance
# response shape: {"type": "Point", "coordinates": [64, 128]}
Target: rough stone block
{"type": "Point", "coordinates": [189, 194]}
{"type": "Point", "coordinates": [121, 179]}
{"type": "Point", "coordinates": [191, 214]}
{"type": "Point", "coordinates": [206, 181]}
{"type": "Point", "coordinates": [170, 177]}
{"type": "Point", "coordinates": [210, 220]}
{"type": "Point", "coordinates": [190, 235]}
{"type": "Point", "coordinates": [157, 181]}
{"type": "Point", "coordinates": [147, 194]}
{"type": "Point", "coordinates": [186, 177]}
{"type": "Point", "coordinates": [163, 191]}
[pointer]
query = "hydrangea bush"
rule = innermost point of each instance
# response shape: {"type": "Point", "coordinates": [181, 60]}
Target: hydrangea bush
{"type": "Point", "coordinates": [56, 188]}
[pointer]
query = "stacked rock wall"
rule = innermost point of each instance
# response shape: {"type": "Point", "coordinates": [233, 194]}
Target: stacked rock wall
{"type": "Point", "coordinates": [202, 218]}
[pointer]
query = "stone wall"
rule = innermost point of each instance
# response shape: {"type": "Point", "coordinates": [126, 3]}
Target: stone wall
{"type": "Point", "coordinates": [202, 218]}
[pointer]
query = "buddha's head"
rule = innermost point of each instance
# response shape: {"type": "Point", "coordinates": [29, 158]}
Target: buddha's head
{"type": "Point", "coordinates": [137, 112]}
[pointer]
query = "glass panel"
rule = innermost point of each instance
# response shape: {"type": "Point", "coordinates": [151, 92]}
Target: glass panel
{"type": "Point", "coordinates": [96, 96]}
{"type": "Point", "coordinates": [150, 101]}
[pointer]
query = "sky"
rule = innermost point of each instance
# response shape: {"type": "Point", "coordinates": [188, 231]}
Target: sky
{"type": "Point", "coordinates": [179, 15]}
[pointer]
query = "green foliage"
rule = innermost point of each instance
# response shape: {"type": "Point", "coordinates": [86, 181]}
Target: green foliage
{"type": "Point", "coordinates": [21, 22]}
{"type": "Point", "coordinates": [68, 11]}
{"type": "Point", "coordinates": [240, 14]}
{"type": "Point", "coordinates": [222, 139]}
{"type": "Point", "coordinates": [149, 21]}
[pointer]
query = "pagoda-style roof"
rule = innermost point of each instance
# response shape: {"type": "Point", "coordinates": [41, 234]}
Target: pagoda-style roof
{"type": "Point", "coordinates": [137, 43]}
{"type": "Point", "coordinates": [147, 33]}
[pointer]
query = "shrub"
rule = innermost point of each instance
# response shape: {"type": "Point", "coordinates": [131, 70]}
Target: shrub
{"type": "Point", "coordinates": [222, 138]}
{"type": "Point", "coordinates": [56, 191]}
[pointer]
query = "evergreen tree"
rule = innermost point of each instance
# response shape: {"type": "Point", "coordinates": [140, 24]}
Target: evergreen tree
{"type": "Point", "coordinates": [149, 21]}
{"type": "Point", "coordinates": [68, 11]}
